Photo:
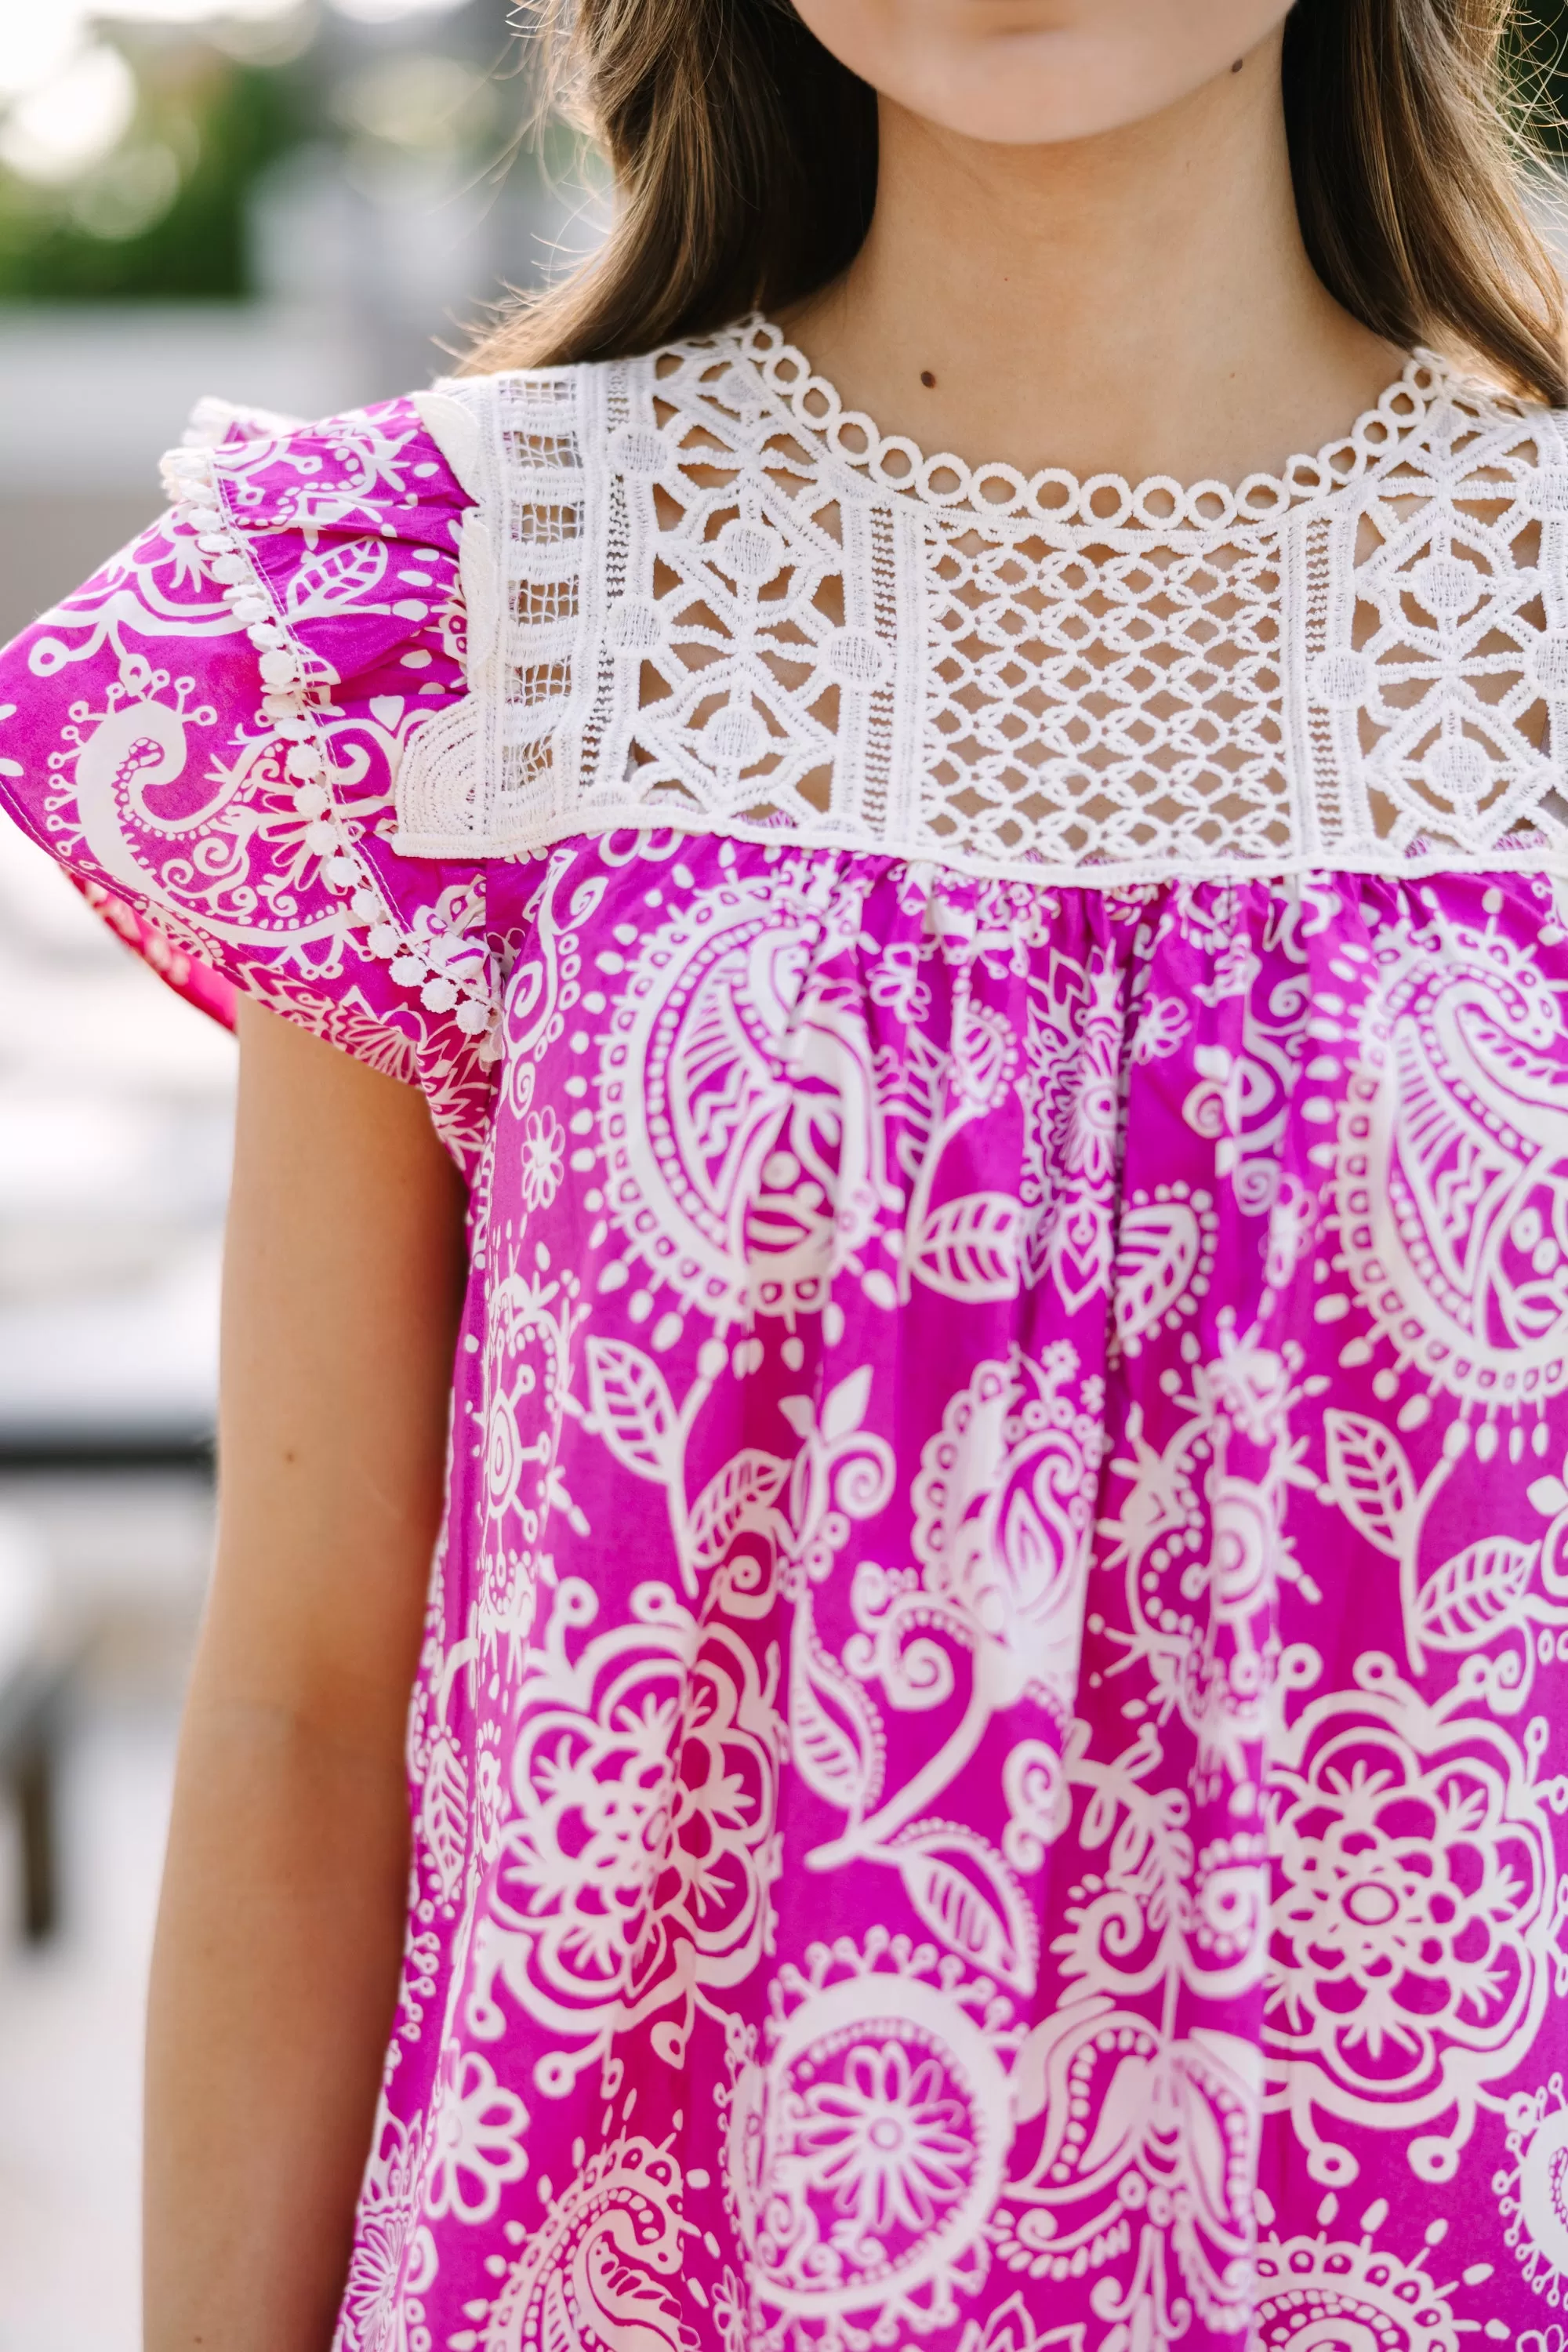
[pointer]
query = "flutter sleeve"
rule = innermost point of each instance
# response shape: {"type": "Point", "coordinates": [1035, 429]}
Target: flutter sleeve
{"type": "Point", "coordinates": [206, 737]}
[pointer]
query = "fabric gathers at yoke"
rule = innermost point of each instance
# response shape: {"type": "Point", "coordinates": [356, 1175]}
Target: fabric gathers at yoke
{"type": "Point", "coordinates": [988, 1768]}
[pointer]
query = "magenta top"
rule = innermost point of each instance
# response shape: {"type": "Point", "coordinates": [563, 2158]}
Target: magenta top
{"type": "Point", "coordinates": [988, 1768]}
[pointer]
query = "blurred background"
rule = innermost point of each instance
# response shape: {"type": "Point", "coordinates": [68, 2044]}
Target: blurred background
{"type": "Point", "coordinates": [291, 202]}
{"type": "Point", "coordinates": [295, 204]}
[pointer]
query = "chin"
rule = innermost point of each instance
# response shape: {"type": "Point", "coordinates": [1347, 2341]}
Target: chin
{"type": "Point", "coordinates": [1055, 87]}
{"type": "Point", "coordinates": [1038, 76]}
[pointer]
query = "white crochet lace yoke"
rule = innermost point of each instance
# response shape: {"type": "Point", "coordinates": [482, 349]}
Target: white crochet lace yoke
{"type": "Point", "coordinates": [701, 595]}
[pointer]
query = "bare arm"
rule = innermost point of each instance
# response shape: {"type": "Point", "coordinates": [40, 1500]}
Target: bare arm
{"type": "Point", "coordinates": [275, 1970]}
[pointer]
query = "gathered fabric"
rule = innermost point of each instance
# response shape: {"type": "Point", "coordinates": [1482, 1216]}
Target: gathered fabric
{"type": "Point", "coordinates": [987, 1770]}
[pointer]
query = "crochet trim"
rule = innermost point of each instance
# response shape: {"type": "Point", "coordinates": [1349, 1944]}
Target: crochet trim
{"type": "Point", "coordinates": [703, 596]}
{"type": "Point", "coordinates": [1101, 501]}
{"type": "Point", "coordinates": [296, 708]}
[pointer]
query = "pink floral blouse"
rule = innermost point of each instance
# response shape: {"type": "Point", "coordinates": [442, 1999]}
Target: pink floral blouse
{"type": "Point", "coordinates": [989, 1758]}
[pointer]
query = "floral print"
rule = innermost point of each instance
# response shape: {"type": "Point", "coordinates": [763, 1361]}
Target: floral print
{"type": "Point", "coordinates": [540, 1158]}
{"type": "Point", "coordinates": [988, 1769]}
{"type": "Point", "coordinates": [886, 2142]}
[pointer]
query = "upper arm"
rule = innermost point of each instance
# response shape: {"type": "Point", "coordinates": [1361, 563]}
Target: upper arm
{"type": "Point", "coordinates": [342, 1287]}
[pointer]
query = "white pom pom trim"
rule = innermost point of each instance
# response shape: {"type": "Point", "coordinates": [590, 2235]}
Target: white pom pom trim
{"type": "Point", "coordinates": [296, 707]}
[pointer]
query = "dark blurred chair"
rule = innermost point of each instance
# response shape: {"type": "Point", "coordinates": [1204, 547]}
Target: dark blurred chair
{"type": "Point", "coordinates": [36, 1655]}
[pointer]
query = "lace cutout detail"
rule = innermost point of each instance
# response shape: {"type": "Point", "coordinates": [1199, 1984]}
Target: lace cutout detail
{"type": "Point", "coordinates": [701, 595]}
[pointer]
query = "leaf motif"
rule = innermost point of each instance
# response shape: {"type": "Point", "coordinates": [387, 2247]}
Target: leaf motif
{"type": "Point", "coordinates": [963, 1895]}
{"type": "Point", "coordinates": [444, 1812]}
{"type": "Point", "coordinates": [333, 582]}
{"type": "Point", "coordinates": [734, 1497]}
{"type": "Point", "coordinates": [1370, 1479]}
{"type": "Point", "coordinates": [1098, 1818]}
{"type": "Point", "coordinates": [984, 1051]}
{"type": "Point", "coordinates": [910, 1084]}
{"type": "Point", "coordinates": [633, 1408]}
{"type": "Point", "coordinates": [797, 1412]}
{"type": "Point", "coordinates": [845, 1408]}
{"type": "Point", "coordinates": [969, 1247]}
{"type": "Point", "coordinates": [835, 1737]}
{"type": "Point", "coordinates": [1474, 1591]}
{"type": "Point", "coordinates": [1156, 1259]}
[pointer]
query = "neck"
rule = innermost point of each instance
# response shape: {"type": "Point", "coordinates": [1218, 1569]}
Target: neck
{"type": "Point", "coordinates": [1136, 303]}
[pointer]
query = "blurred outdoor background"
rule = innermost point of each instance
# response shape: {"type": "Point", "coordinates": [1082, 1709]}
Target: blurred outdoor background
{"type": "Point", "coordinates": [290, 203]}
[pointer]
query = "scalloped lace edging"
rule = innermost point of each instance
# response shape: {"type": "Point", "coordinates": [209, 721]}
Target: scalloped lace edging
{"type": "Point", "coordinates": [699, 599]}
{"type": "Point", "coordinates": [998, 491]}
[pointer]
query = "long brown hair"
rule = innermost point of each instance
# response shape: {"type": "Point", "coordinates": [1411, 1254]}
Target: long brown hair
{"type": "Point", "coordinates": [744, 159]}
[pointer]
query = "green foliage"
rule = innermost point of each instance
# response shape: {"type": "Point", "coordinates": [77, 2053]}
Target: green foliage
{"type": "Point", "coordinates": [1538, 49]}
{"type": "Point", "coordinates": [161, 218]}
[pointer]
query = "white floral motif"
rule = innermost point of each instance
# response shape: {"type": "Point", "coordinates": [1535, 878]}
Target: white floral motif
{"type": "Point", "coordinates": [1319, 2291]}
{"type": "Point", "coordinates": [738, 1113]}
{"type": "Point", "coordinates": [1242, 1100]}
{"type": "Point", "coordinates": [633, 1869]}
{"type": "Point", "coordinates": [476, 2129]}
{"type": "Point", "coordinates": [1001, 1528]}
{"type": "Point", "coordinates": [866, 2148]}
{"type": "Point", "coordinates": [896, 983]}
{"type": "Point", "coordinates": [1416, 1935]}
{"type": "Point", "coordinates": [1201, 1536]}
{"type": "Point", "coordinates": [1002, 1503]}
{"type": "Point", "coordinates": [885, 2141]}
{"type": "Point", "coordinates": [1115, 2121]}
{"type": "Point", "coordinates": [1010, 2328]}
{"type": "Point", "coordinates": [543, 1158]}
{"type": "Point", "coordinates": [389, 2204]}
{"type": "Point", "coordinates": [1068, 1093]}
{"type": "Point", "coordinates": [1164, 1258]}
{"type": "Point", "coordinates": [532, 1315]}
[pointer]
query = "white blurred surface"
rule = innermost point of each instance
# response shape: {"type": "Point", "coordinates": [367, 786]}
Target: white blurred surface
{"type": "Point", "coordinates": [25, 1590]}
{"type": "Point", "coordinates": [39, 39]}
{"type": "Point", "coordinates": [59, 431]}
{"type": "Point", "coordinates": [70, 2065]}
{"type": "Point", "coordinates": [115, 1121]}
{"type": "Point", "coordinates": [125, 1559]}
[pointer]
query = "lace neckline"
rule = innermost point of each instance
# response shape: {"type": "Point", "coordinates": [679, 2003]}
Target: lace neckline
{"type": "Point", "coordinates": [1418, 405]}
{"type": "Point", "coordinates": [695, 599]}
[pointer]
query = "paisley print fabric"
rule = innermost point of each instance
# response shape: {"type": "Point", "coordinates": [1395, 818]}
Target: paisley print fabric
{"type": "Point", "coordinates": [988, 1770]}
{"type": "Point", "coordinates": [207, 733]}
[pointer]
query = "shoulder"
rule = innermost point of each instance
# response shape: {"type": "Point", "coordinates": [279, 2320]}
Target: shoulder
{"type": "Point", "coordinates": [209, 732]}
{"type": "Point", "coordinates": [377, 471]}
{"type": "Point", "coordinates": [628, 409]}
{"type": "Point", "coordinates": [1468, 424]}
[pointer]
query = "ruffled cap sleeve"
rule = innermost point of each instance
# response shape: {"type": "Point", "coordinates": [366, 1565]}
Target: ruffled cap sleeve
{"type": "Point", "coordinates": [208, 736]}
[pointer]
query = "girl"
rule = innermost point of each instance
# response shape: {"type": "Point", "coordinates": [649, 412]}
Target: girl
{"type": "Point", "coordinates": [914, 1110]}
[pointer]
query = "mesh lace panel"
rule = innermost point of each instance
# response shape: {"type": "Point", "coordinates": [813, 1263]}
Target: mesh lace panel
{"type": "Point", "coordinates": [1103, 705]}
{"type": "Point", "coordinates": [725, 603]}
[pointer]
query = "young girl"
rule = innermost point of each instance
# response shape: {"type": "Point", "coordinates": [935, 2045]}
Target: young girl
{"type": "Point", "coordinates": [943, 1190]}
